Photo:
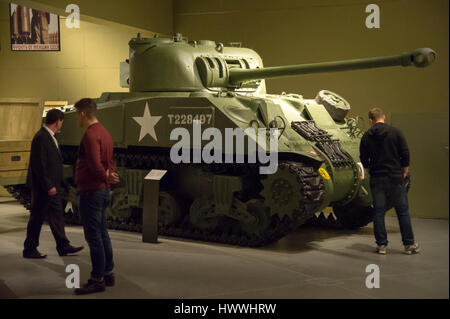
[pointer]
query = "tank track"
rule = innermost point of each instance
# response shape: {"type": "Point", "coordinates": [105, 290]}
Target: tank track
{"type": "Point", "coordinates": [348, 217]}
{"type": "Point", "coordinates": [308, 176]}
{"type": "Point", "coordinates": [350, 221]}
{"type": "Point", "coordinates": [21, 193]}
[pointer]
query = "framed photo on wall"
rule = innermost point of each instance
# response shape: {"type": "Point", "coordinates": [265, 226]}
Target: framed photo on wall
{"type": "Point", "coordinates": [33, 30]}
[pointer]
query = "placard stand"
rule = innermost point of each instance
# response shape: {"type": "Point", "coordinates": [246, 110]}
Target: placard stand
{"type": "Point", "coordinates": [151, 202]}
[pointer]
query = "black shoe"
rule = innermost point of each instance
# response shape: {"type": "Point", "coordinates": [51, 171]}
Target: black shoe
{"type": "Point", "coordinates": [33, 254]}
{"type": "Point", "coordinates": [110, 280]}
{"type": "Point", "coordinates": [69, 249]}
{"type": "Point", "coordinates": [91, 287]}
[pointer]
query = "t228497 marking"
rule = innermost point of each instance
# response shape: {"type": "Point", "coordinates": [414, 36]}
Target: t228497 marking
{"type": "Point", "coordinates": [187, 119]}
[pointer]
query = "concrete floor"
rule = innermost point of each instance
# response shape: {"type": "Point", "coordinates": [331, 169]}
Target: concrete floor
{"type": "Point", "coordinates": [308, 263]}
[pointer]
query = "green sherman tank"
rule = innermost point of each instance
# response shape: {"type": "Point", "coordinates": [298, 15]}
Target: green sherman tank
{"type": "Point", "coordinates": [175, 83]}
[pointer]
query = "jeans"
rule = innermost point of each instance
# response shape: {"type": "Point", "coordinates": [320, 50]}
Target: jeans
{"type": "Point", "coordinates": [93, 215]}
{"type": "Point", "coordinates": [386, 194]}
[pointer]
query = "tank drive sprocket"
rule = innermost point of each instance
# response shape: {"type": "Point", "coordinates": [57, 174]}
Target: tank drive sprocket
{"type": "Point", "coordinates": [293, 181]}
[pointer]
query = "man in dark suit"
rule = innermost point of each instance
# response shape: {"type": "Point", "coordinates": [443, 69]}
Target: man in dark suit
{"type": "Point", "coordinates": [45, 177]}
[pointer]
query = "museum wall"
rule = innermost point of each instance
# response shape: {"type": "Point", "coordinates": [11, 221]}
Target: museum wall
{"type": "Point", "coordinates": [87, 65]}
{"type": "Point", "coordinates": [289, 32]}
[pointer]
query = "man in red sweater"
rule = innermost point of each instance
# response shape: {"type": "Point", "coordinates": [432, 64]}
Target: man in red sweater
{"type": "Point", "coordinates": [93, 175]}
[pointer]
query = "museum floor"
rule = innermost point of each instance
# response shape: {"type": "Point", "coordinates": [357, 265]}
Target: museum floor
{"type": "Point", "coordinates": [309, 263]}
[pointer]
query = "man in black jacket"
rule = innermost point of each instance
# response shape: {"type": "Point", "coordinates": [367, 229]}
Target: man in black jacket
{"type": "Point", "coordinates": [45, 177]}
{"type": "Point", "coordinates": [384, 151]}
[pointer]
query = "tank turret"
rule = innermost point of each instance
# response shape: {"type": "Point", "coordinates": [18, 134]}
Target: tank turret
{"type": "Point", "coordinates": [164, 64]}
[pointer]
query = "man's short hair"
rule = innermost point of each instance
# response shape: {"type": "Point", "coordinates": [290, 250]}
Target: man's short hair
{"type": "Point", "coordinates": [88, 106]}
{"type": "Point", "coordinates": [53, 115]}
{"type": "Point", "coordinates": [376, 113]}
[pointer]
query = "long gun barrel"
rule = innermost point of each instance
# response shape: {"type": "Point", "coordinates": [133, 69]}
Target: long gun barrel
{"type": "Point", "coordinates": [419, 58]}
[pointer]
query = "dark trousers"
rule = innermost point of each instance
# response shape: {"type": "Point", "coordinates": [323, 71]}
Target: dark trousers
{"type": "Point", "coordinates": [93, 214]}
{"type": "Point", "coordinates": [43, 206]}
{"type": "Point", "coordinates": [385, 193]}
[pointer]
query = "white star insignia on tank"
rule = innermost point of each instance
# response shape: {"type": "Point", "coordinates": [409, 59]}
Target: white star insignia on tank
{"type": "Point", "coordinates": [147, 123]}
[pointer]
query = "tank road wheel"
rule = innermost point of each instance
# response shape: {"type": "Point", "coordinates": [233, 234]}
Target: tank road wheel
{"type": "Point", "coordinates": [71, 212]}
{"type": "Point", "coordinates": [118, 209]}
{"type": "Point", "coordinates": [261, 215]}
{"type": "Point", "coordinates": [169, 211]}
{"type": "Point", "coordinates": [71, 206]}
{"type": "Point", "coordinates": [202, 214]}
{"type": "Point", "coordinates": [282, 192]}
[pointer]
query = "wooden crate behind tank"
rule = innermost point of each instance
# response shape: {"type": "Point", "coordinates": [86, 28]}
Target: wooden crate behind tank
{"type": "Point", "coordinates": [20, 118]}
{"type": "Point", "coordinates": [48, 105]}
{"type": "Point", "coordinates": [4, 192]}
